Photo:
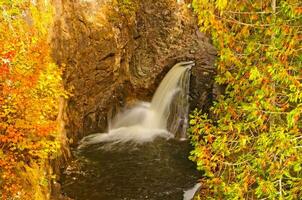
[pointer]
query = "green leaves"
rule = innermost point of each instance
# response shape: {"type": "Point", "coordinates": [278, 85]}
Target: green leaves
{"type": "Point", "coordinates": [293, 116]}
{"type": "Point", "coordinates": [297, 167]}
{"type": "Point", "coordinates": [253, 137]}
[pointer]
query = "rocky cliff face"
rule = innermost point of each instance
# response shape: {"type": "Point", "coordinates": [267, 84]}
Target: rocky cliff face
{"type": "Point", "coordinates": [115, 53]}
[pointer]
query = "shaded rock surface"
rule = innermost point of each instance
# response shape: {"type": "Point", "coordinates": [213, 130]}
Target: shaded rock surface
{"type": "Point", "coordinates": [115, 55]}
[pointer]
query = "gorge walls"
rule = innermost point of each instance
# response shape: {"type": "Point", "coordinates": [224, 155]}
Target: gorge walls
{"type": "Point", "coordinates": [116, 52]}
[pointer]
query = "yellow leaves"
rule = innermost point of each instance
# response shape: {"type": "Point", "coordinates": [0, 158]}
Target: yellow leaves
{"type": "Point", "coordinates": [228, 76]}
{"type": "Point", "coordinates": [221, 4]}
{"type": "Point", "coordinates": [216, 181]}
{"type": "Point", "coordinates": [269, 32]}
{"type": "Point", "coordinates": [254, 74]}
{"type": "Point", "coordinates": [254, 17]}
{"type": "Point", "coordinates": [243, 141]}
{"type": "Point", "coordinates": [245, 31]}
{"type": "Point", "coordinates": [42, 16]}
{"type": "Point", "coordinates": [30, 94]}
{"type": "Point", "coordinates": [23, 124]}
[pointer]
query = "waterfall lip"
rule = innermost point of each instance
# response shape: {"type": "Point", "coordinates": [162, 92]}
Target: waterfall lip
{"type": "Point", "coordinates": [188, 64]}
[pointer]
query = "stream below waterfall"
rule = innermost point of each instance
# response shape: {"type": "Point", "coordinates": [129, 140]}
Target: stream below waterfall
{"type": "Point", "coordinates": [158, 170]}
{"type": "Point", "coordinates": [143, 155]}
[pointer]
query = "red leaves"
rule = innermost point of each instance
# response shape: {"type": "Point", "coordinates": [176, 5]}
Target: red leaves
{"type": "Point", "coordinates": [5, 60]}
{"type": "Point", "coordinates": [9, 55]}
{"type": "Point", "coordinates": [4, 70]}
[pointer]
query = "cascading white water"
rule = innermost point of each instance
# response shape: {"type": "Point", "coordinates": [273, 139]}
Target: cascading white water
{"type": "Point", "coordinates": [166, 114]}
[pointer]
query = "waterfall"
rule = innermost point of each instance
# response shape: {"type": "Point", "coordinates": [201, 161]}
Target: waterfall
{"type": "Point", "coordinates": [165, 116]}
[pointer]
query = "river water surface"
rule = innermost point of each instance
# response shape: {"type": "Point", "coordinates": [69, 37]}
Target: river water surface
{"type": "Point", "coordinates": [158, 170]}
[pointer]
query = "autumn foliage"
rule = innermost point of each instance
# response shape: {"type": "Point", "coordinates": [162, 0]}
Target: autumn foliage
{"type": "Point", "coordinates": [30, 86]}
{"type": "Point", "coordinates": [250, 146]}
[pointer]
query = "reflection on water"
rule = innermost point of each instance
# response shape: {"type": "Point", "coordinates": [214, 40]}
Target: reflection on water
{"type": "Point", "coordinates": [158, 170]}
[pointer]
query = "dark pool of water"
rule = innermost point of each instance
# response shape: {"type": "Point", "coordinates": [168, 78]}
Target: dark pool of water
{"type": "Point", "coordinates": [158, 170]}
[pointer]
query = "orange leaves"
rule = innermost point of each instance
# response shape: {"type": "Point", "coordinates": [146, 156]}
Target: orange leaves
{"type": "Point", "coordinates": [216, 181]}
{"type": "Point", "coordinates": [298, 10]}
{"type": "Point", "coordinates": [45, 130]}
{"type": "Point", "coordinates": [245, 32]}
{"type": "Point", "coordinates": [254, 17]}
{"type": "Point", "coordinates": [233, 113]}
{"type": "Point", "coordinates": [31, 80]}
{"type": "Point", "coordinates": [13, 135]}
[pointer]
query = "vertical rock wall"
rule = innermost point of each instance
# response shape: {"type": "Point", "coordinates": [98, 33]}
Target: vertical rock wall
{"type": "Point", "coordinates": [113, 54]}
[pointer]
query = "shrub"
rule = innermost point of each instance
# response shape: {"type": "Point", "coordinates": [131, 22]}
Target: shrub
{"type": "Point", "coordinates": [251, 146]}
{"type": "Point", "coordinates": [30, 87]}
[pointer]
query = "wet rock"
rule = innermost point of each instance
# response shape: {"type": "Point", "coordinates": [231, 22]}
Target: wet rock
{"type": "Point", "coordinates": [111, 59]}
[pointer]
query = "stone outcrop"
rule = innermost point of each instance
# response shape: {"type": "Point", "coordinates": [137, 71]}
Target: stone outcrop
{"type": "Point", "coordinates": [115, 54]}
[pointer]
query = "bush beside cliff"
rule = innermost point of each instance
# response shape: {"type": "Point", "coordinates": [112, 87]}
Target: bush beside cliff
{"type": "Point", "coordinates": [250, 145]}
